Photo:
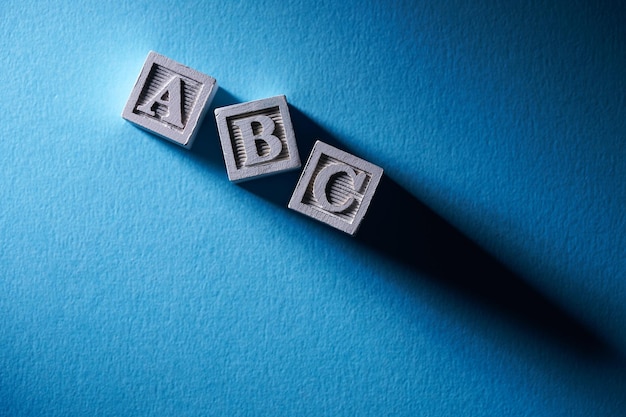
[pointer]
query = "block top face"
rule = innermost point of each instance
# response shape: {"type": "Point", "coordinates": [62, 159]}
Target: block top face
{"type": "Point", "coordinates": [336, 187]}
{"type": "Point", "coordinates": [257, 138]}
{"type": "Point", "coordinates": [170, 99]}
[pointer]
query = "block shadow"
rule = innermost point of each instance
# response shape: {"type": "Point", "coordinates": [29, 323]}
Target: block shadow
{"type": "Point", "coordinates": [402, 228]}
{"type": "Point", "coordinates": [207, 144]}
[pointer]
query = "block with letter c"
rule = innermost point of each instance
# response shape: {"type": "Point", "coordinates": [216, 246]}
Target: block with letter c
{"type": "Point", "coordinates": [336, 187]}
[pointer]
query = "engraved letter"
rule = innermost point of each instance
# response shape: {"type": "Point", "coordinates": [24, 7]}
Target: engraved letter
{"type": "Point", "coordinates": [324, 179]}
{"type": "Point", "coordinates": [170, 97]}
{"type": "Point", "coordinates": [265, 135]}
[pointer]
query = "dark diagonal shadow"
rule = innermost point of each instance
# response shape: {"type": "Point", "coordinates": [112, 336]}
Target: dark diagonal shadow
{"type": "Point", "coordinates": [400, 227]}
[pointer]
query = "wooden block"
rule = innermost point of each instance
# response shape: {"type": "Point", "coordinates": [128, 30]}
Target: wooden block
{"type": "Point", "coordinates": [170, 99]}
{"type": "Point", "coordinates": [257, 138]}
{"type": "Point", "coordinates": [335, 187]}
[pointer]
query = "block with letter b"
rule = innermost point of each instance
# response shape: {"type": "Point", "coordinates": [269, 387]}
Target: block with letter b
{"type": "Point", "coordinates": [257, 138]}
{"type": "Point", "coordinates": [170, 99]}
{"type": "Point", "coordinates": [336, 187]}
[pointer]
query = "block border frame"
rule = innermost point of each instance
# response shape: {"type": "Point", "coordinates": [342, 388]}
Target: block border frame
{"type": "Point", "coordinates": [186, 137]}
{"type": "Point", "coordinates": [320, 148]}
{"type": "Point", "coordinates": [222, 114]}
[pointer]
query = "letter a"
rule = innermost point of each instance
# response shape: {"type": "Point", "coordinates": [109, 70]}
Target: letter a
{"type": "Point", "coordinates": [170, 97]}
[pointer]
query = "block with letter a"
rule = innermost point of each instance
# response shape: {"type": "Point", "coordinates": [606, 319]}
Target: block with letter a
{"type": "Point", "coordinates": [170, 99]}
{"type": "Point", "coordinates": [335, 187]}
{"type": "Point", "coordinates": [257, 138]}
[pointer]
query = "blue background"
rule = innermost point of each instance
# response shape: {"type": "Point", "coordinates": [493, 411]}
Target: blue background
{"type": "Point", "coordinates": [488, 278]}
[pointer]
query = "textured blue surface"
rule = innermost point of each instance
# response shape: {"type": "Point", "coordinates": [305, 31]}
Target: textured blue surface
{"type": "Point", "coordinates": [136, 280]}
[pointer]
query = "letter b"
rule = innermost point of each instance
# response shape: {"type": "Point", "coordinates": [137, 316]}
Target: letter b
{"type": "Point", "coordinates": [257, 138]}
{"type": "Point", "coordinates": [265, 136]}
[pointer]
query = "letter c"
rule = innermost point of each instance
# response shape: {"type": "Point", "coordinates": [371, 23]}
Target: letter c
{"type": "Point", "coordinates": [324, 178]}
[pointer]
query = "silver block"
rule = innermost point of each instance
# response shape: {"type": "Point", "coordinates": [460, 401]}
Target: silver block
{"type": "Point", "coordinates": [257, 138]}
{"type": "Point", "coordinates": [336, 187]}
{"type": "Point", "coordinates": [170, 99]}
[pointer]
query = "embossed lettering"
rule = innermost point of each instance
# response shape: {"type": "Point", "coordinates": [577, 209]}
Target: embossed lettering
{"type": "Point", "coordinates": [170, 97]}
{"type": "Point", "coordinates": [325, 179]}
{"type": "Point", "coordinates": [250, 139]}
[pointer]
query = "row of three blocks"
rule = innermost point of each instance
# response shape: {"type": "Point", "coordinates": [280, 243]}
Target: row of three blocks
{"type": "Point", "coordinates": [257, 138]}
